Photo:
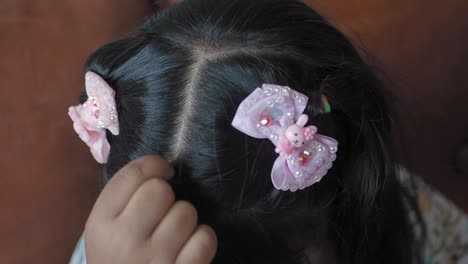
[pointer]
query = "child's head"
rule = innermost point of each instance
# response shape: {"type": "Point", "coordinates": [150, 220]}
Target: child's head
{"type": "Point", "coordinates": [179, 81]}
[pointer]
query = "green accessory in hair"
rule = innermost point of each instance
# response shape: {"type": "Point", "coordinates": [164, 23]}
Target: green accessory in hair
{"type": "Point", "coordinates": [325, 104]}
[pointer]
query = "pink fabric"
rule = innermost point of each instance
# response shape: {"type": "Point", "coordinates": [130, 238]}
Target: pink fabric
{"type": "Point", "coordinates": [98, 113]}
{"type": "Point", "coordinates": [276, 112]}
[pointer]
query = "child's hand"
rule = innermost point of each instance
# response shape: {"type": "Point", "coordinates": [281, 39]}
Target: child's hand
{"type": "Point", "coordinates": [135, 220]}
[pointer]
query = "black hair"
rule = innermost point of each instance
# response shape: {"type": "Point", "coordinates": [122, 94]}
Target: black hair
{"type": "Point", "coordinates": [179, 80]}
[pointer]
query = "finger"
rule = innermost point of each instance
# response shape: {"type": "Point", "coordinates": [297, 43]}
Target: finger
{"type": "Point", "coordinates": [201, 247]}
{"type": "Point", "coordinates": [175, 230]}
{"type": "Point", "coordinates": [118, 191]}
{"type": "Point", "coordinates": [147, 207]}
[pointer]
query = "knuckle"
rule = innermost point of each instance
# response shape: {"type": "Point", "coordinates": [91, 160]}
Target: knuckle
{"type": "Point", "coordinates": [130, 171]}
{"type": "Point", "coordinates": [158, 188]}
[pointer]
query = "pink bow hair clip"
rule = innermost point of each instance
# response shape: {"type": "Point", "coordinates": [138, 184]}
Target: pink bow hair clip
{"type": "Point", "coordinates": [98, 113]}
{"type": "Point", "coordinates": [276, 112]}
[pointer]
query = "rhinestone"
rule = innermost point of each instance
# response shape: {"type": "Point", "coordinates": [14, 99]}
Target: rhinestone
{"type": "Point", "coordinates": [332, 157]}
{"type": "Point", "coordinates": [276, 113]}
{"type": "Point", "coordinates": [280, 99]}
{"type": "Point", "coordinates": [333, 149]}
{"type": "Point", "coordinates": [268, 91]}
{"type": "Point", "coordinates": [295, 95]}
{"type": "Point", "coordinates": [289, 114]}
{"type": "Point", "coordinates": [276, 90]}
{"type": "Point", "coordinates": [265, 121]}
{"type": "Point", "coordinates": [302, 159]}
{"type": "Point", "coordinates": [308, 152]}
{"type": "Point", "coordinates": [271, 103]}
{"type": "Point", "coordinates": [93, 100]}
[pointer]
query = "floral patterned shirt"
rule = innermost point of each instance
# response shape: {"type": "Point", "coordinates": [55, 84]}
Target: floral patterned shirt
{"type": "Point", "coordinates": [446, 225]}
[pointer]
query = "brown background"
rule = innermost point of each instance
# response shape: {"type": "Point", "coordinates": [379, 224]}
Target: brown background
{"type": "Point", "coordinates": [49, 180]}
{"type": "Point", "coordinates": [422, 47]}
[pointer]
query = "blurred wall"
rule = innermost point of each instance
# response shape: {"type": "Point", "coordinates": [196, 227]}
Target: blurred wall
{"type": "Point", "coordinates": [49, 181]}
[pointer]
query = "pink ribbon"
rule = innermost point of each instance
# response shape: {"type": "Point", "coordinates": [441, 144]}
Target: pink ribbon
{"type": "Point", "coordinates": [98, 113]}
{"type": "Point", "coordinates": [276, 112]}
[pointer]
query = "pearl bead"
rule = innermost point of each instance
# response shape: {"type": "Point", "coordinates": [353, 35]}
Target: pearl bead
{"type": "Point", "coordinates": [280, 100]}
{"type": "Point", "coordinates": [268, 91]}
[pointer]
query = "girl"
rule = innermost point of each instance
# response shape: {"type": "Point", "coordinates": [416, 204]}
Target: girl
{"type": "Point", "coordinates": [252, 102]}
